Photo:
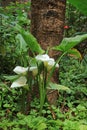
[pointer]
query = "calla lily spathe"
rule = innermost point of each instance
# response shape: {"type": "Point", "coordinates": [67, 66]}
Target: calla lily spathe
{"type": "Point", "coordinates": [42, 58]}
{"type": "Point", "coordinates": [34, 70]}
{"type": "Point", "coordinates": [48, 62]}
{"type": "Point", "coordinates": [20, 70]}
{"type": "Point", "coordinates": [51, 63]}
{"type": "Point", "coordinates": [20, 82]}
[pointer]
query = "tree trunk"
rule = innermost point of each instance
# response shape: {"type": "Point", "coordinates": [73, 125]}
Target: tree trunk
{"type": "Point", "coordinates": [47, 25]}
{"type": "Point", "coordinates": [47, 22]}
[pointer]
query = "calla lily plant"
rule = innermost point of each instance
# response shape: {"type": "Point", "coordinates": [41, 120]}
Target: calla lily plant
{"type": "Point", "coordinates": [44, 64]}
{"type": "Point", "coordinates": [42, 70]}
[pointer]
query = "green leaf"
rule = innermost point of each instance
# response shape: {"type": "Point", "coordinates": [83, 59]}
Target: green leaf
{"type": "Point", "coordinates": [69, 43]}
{"type": "Point", "coordinates": [41, 126]}
{"type": "Point", "coordinates": [83, 127]}
{"type": "Point", "coordinates": [81, 5]}
{"type": "Point", "coordinates": [58, 87]}
{"type": "Point", "coordinates": [3, 85]}
{"type": "Point", "coordinates": [30, 40]}
{"type": "Point", "coordinates": [75, 53]}
{"type": "Point", "coordinates": [23, 45]}
{"type": "Point", "coordinates": [11, 78]}
{"type": "Point", "coordinates": [7, 105]}
{"type": "Point", "coordinates": [81, 108]}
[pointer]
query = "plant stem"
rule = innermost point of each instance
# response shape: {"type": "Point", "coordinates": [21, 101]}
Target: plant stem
{"type": "Point", "coordinates": [42, 90]}
{"type": "Point", "coordinates": [23, 102]}
{"type": "Point", "coordinates": [51, 73]}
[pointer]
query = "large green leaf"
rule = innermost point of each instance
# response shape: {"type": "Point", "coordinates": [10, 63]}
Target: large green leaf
{"type": "Point", "coordinates": [11, 78]}
{"type": "Point", "coordinates": [58, 87]}
{"type": "Point", "coordinates": [75, 53]}
{"type": "Point", "coordinates": [69, 43]}
{"type": "Point", "coordinates": [30, 40]}
{"type": "Point", "coordinates": [81, 5]}
{"type": "Point", "coordinates": [22, 45]}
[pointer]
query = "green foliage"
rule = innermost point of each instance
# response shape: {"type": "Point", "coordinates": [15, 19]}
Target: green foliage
{"type": "Point", "coordinates": [75, 21]}
{"type": "Point", "coordinates": [80, 5]}
{"type": "Point", "coordinates": [71, 110]}
{"type": "Point", "coordinates": [68, 43]}
{"type": "Point", "coordinates": [40, 75]}
{"type": "Point", "coordinates": [58, 87]}
{"type": "Point", "coordinates": [28, 39]}
{"type": "Point", "coordinates": [9, 45]}
{"type": "Point", "coordinates": [35, 122]}
{"type": "Point", "coordinates": [77, 25]}
{"type": "Point", "coordinates": [77, 82]}
{"type": "Point", "coordinates": [8, 100]}
{"type": "Point", "coordinates": [75, 74]}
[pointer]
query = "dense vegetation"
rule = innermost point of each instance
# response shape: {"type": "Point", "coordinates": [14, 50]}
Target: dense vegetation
{"type": "Point", "coordinates": [70, 112]}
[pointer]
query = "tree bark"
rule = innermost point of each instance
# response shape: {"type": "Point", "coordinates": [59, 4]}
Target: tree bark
{"type": "Point", "coordinates": [47, 22]}
{"type": "Point", "coordinates": [47, 25]}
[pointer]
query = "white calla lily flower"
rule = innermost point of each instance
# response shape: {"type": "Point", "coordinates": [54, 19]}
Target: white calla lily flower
{"type": "Point", "coordinates": [20, 70]}
{"type": "Point", "coordinates": [20, 82]}
{"type": "Point", "coordinates": [42, 58]}
{"type": "Point", "coordinates": [51, 63]}
{"type": "Point", "coordinates": [34, 70]}
{"type": "Point", "coordinates": [57, 65]}
{"type": "Point", "coordinates": [48, 62]}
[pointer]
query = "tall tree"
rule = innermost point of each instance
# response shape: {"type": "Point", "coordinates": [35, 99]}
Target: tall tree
{"type": "Point", "coordinates": [47, 23]}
